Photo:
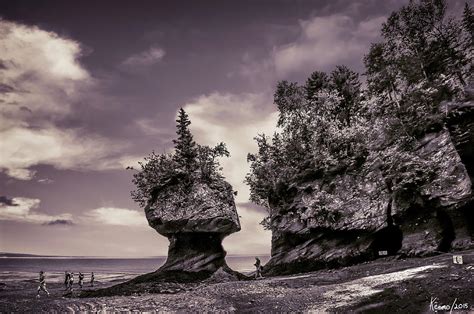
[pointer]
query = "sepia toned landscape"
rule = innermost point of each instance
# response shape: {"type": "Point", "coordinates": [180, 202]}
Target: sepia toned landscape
{"type": "Point", "coordinates": [237, 157]}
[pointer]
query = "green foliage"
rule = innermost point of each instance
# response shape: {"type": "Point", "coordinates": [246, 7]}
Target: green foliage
{"type": "Point", "coordinates": [189, 163]}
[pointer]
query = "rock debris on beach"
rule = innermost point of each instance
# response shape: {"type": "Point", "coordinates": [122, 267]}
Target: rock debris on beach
{"type": "Point", "coordinates": [380, 285]}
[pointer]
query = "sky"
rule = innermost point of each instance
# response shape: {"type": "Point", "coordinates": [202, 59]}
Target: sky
{"type": "Point", "coordinates": [88, 88]}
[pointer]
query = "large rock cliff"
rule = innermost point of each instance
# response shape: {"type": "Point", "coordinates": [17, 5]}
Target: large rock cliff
{"type": "Point", "coordinates": [348, 215]}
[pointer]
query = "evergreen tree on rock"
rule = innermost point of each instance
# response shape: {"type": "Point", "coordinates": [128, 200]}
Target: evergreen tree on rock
{"type": "Point", "coordinates": [185, 147]}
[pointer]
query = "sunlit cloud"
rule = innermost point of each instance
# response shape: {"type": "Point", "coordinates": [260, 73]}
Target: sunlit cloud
{"type": "Point", "coordinates": [234, 119]}
{"type": "Point", "coordinates": [252, 238]}
{"type": "Point", "coordinates": [40, 71]}
{"type": "Point", "coordinates": [41, 80]}
{"type": "Point", "coordinates": [117, 216]}
{"type": "Point", "coordinates": [65, 149]}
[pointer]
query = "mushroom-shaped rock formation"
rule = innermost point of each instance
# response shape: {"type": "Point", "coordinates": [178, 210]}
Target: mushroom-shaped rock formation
{"type": "Point", "coordinates": [188, 201]}
{"type": "Point", "coordinates": [195, 219]}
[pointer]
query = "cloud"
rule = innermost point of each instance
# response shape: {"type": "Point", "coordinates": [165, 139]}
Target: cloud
{"type": "Point", "coordinates": [149, 127]}
{"type": "Point", "coordinates": [24, 147]}
{"type": "Point", "coordinates": [325, 42]}
{"type": "Point", "coordinates": [145, 58]}
{"type": "Point", "coordinates": [41, 80]}
{"type": "Point", "coordinates": [117, 216]}
{"type": "Point", "coordinates": [252, 207]}
{"type": "Point", "coordinates": [45, 181]}
{"type": "Point", "coordinates": [6, 201]}
{"type": "Point", "coordinates": [40, 70]}
{"type": "Point", "coordinates": [23, 209]}
{"type": "Point", "coordinates": [252, 239]}
{"type": "Point", "coordinates": [321, 43]}
{"type": "Point", "coordinates": [60, 222]}
{"type": "Point", "coordinates": [234, 119]}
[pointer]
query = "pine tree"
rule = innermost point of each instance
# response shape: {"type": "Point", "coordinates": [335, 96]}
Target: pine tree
{"type": "Point", "coordinates": [169, 176]}
{"type": "Point", "coordinates": [185, 147]}
{"type": "Point", "coordinates": [315, 83]}
{"type": "Point", "coordinates": [380, 73]}
{"type": "Point", "coordinates": [347, 85]}
{"type": "Point", "coordinates": [468, 21]}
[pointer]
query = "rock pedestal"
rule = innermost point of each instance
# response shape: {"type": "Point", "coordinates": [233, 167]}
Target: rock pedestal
{"type": "Point", "coordinates": [195, 220]}
{"type": "Point", "coordinates": [195, 223]}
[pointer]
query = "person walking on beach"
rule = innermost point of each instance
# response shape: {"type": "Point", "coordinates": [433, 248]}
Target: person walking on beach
{"type": "Point", "coordinates": [92, 279]}
{"type": "Point", "coordinates": [71, 281]}
{"type": "Point", "coordinates": [259, 267]}
{"type": "Point", "coordinates": [66, 280]}
{"type": "Point", "coordinates": [81, 279]}
{"type": "Point", "coordinates": [42, 284]}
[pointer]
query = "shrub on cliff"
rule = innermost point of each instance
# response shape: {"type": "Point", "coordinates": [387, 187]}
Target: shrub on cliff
{"type": "Point", "coordinates": [189, 163]}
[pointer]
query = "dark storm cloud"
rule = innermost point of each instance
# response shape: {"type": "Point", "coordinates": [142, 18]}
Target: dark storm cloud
{"type": "Point", "coordinates": [60, 222]}
{"type": "Point", "coordinates": [26, 109]}
{"type": "Point", "coordinates": [3, 65]}
{"type": "Point", "coordinates": [6, 201]}
{"type": "Point", "coordinates": [4, 88]}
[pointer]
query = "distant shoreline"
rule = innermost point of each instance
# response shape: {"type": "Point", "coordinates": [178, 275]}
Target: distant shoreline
{"type": "Point", "coordinates": [25, 255]}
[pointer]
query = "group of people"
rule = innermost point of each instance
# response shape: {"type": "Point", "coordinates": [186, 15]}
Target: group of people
{"type": "Point", "coordinates": [68, 281]}
{"type": "Point", "coordinates": [69, 278]}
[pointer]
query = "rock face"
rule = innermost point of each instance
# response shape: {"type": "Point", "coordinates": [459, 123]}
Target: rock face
{"type": "Point", "coordinates": [360, 218]}
{"type": "Point", "coordinates": [461, 128]}
{"type": "Point", "coordinates": [195, 223]}
{"type": "Point", "coordinates": [434, 221]}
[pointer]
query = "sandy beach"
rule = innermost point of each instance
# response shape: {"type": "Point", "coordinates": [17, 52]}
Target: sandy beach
{"type": "Point", "coordinates": [388, 284]}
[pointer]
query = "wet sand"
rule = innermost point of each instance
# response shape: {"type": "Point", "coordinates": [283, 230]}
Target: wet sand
{"type": "Point", "coordinates": [388, 284]}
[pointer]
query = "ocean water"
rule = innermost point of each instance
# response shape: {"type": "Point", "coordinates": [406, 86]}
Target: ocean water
{"type": "Point", "coordinates": [105, 269]}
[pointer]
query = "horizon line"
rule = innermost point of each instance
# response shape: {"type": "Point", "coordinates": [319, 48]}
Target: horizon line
{"type": "Point", "coordinates": [30, 255]}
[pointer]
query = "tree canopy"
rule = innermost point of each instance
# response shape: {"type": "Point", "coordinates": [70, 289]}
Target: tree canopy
{"type": "Point", "coordinates": [424, 57]}
{"type": "Point", "coordinates": [187, 164]}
